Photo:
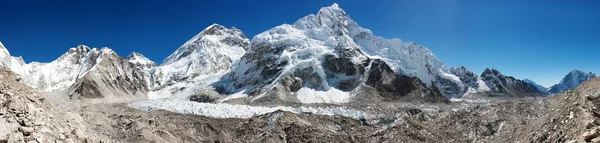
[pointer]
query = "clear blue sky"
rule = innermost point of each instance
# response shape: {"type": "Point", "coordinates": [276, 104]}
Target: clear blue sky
{"type": "Point", "coordinates": [537, 39]}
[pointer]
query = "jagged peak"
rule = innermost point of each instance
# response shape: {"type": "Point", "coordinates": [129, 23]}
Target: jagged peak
{"type": "Point", "coordinates": [575, 71]}
{"type": "Point", "coordinates": [214, 26]}
{"type": "Point", "coordinates": [491, 71]}
{"type": "Point", "coordinates": [333, 9]}
{"type": "Point", "coordinates": [135, 55]}
{"type": "Point", "coordinates": [138, 58]}
{"type": "Point", "coordinates": [3, 49]}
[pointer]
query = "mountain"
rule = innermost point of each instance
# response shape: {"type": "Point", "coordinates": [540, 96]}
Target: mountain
{"type": "Point", "coordinates": [502, 85]}
{"type": "Point", "coordinates": [86, 72]}
{"type": "Point", "coordinates": [201, 60]}
{"type": "Point", "coordinates": [540, 88]}
{"type": "Point", "coordinates": [111, 76]}
{"type": "Point", "coordinates": [571, 80]}
{"type": "Point", "coordinates": [325, 57]}
{"type": "Point", "coordinates": [317, 59]}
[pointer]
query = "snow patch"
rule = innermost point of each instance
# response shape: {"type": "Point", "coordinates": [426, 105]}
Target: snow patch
{"type": "Point", "coordinates": [308, 95]}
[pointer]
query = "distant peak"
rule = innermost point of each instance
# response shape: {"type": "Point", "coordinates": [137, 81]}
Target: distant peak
{"type": "Point", "coordinates": [491, 71]}
{"type": "Point", "coordinates": [332, 10]}
{"type": "Point", "coordinates": [335, 5]}
{"type": "Point", "coordinates": [3, 49]}
{"type": "Point", "coordinates": [214, 25]}
{"type": "Point", "coordinates": [576, 71]}
{"type": "Point", "coordinates": [135, 55]}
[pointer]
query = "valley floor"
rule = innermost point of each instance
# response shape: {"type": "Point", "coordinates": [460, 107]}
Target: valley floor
{"type": "Point", "coordinates": [494, 120]}
{"type": "Point", "coordinates": [565, 117]}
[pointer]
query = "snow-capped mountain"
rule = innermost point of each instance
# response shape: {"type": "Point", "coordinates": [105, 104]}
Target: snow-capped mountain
{"type": "Point", "coordinates": [540, 88]}
{"type": "Point", "coordinates": [85, 72]}
{"type": "Point", "coordinates": [571, 80]}
{"type": "Point", "coordinates": [201, 60]}
{"type": "Point", "coordinates": [325, 57]}
{"type": "Point", "coordinates": [7, 60]}
{"type": "Point", "coordinates": [502, 85]}
{"type": "Point", "coordinates": [321, 54]}
{"type": "Point", "coordinates": [140, 60]}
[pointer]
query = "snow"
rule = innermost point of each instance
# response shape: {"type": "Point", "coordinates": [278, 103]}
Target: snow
{"type": "Point", "coordinates": [237, 95]}
{"type": "Point", "coordinates": [223, 110]}
{"type": "Point", "coordinates": [138, 58]}
{"type": "Point", "coordinates": [308, 95]}
{"type": "Point", "coordinates": [482, 86]}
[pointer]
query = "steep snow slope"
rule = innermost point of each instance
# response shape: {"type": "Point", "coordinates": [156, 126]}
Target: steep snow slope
{"type": "Point", "coordinates": [6, 60]}
{"type": "Point", "coordinates": [200, 61]}
{"type": "Point", "coordinates": [571, 80]}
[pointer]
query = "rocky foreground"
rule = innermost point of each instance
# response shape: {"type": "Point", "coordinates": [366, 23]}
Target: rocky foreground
{"type": "Point", "coordinates": [26, 116]}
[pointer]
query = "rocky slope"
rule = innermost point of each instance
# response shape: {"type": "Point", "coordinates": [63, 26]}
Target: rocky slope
{"type": "Point", "coordinates": [111, 76]}
{"type": "Point", "coordinates": [87, 72]}
{"type": "Point", "coordinates": [507, 86]}
{"type": "Point", "coordinates": [25, 116]}
{"type": "Point", "coordinates": [570, 81]}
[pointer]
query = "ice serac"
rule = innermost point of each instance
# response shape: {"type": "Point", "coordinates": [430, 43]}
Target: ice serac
{"type": "Point", "coordinates": [571, 81]}
{"type": "Point", "coordinates": [506, 86]}
{"type": "Point", "coordinates": [202, 59]}
{"type": "Point", "coordinates": [317, 59]}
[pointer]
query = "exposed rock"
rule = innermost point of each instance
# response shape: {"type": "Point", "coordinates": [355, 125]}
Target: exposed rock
{"type": "Point", "coordinates": [205, 96]}
{"type": "Point", "coordinates": [26, 130]}
{"type": "Point", "coordinates": [293, 83]}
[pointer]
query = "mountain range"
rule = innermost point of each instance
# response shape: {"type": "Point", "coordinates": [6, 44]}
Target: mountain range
{"type": "Point", "coordinates": [321, 58]}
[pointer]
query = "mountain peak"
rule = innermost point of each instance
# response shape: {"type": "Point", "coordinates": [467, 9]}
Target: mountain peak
{"type": "Point", "coordinates": [138, 58]}
{"type": "Point", "coordinates": [334, 8]}
{"type": "Point", "coordinates": [135, 55]}
{"type": "Point", "coordinates": [575, 71]}
{"type": "Point", "coordinates": [217, 36]}
{"type": "Point", "coordinates": [3, 49]}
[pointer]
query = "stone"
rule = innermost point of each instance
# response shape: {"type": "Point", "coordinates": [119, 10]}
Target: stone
{"type": "Point", "coordinates": [588, 136]}
{"type": "Point", "coordinates": [26, 130]}
{"type": "Point", "coordinates": [204, 96]}
{"type": "Point", "coordinates": [596, 140]}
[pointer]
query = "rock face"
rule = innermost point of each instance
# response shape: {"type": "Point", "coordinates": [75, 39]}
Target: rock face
{"type": "Point", "coordinates": [113, 76]}
{"type": "Point", "coordinates": [571, 81]}
{"type": "Point", "coordinates": [507, 86]}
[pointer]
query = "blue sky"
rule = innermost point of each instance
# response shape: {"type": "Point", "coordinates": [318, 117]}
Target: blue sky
{"type": "Point", "coordinates": [537, 39]}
